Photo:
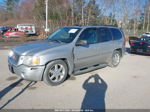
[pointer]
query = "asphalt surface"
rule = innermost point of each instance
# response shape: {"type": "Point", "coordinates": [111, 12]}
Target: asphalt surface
{"type": "Point", "coordinates": [124, 87]}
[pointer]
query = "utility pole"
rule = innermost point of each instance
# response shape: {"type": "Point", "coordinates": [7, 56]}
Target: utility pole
{"type": "Point", "coordinates": [82, 13]}
{"type": "Point", "coordinates": [148, 14]}
{"type": "Point", "coordinates": [144, 20]}
{"type": "Point", "coordinates": [46, 24]}
{"type": "Point", "coordinates": [72, 13]}
{"type": "Point", "coordinates": [134, 16]}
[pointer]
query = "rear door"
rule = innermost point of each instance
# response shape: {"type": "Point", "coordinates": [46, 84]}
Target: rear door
{"type": "Point", "coordinates": [106, 44]}
{"type": "Point", "coordinates": [118, 37]}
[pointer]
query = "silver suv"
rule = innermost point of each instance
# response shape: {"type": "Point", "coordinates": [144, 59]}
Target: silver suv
{"type": "Point", "coordinates": [68, 51]}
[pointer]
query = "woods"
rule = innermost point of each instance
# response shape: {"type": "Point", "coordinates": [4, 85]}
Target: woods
{"type": "Point", "coordinates": [133, 16]}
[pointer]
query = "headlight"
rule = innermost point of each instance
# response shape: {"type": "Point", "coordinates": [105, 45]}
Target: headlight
{"type": "Point", "coordinates": [31, 60]}
{"type": "Point", "coordinates": [35, 60]}
{"type": "Point", "coordinates": [11, 53]}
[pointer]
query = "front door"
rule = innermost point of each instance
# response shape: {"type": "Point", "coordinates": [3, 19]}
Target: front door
{"type": "Point", "coordinates": [87, 55]}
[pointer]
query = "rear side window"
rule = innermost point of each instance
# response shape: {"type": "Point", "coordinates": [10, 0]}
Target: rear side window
{"type": "Point", "coordinates": [116, 34]}
{"type": "Point", "coordinates": [104, 35]}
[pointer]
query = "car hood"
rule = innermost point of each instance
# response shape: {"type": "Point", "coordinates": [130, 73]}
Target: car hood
{"type": "Point", "coordinates": [33, 48]}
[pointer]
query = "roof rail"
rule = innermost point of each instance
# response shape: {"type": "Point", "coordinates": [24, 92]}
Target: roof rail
{"type": "Point", "coordinates": [103, 25]}
{"type": "Point", "coordinates": [77, 25]}
{"type": "Point", "coordinates": [110, 25]}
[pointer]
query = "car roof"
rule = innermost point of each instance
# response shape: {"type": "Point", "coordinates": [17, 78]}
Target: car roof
{"type": "Point", "coordinates": [97, 26]}
{"type": "Point", "coordinates": [146, 34]}
{"type": "Point", "coordinates": [24, 24]}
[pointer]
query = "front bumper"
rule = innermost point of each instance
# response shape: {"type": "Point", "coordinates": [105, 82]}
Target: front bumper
{"type": "Point", "coordinates": [27, 72]}
{"type": "Point", "coordinates": [140, 50]}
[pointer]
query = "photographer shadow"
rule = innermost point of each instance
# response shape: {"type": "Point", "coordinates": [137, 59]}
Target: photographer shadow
{"type": "Point", "coordinates": [95, 93]}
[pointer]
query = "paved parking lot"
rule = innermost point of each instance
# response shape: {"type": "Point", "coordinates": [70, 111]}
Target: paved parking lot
{"type": "Point", "coordinates": [124, 87]}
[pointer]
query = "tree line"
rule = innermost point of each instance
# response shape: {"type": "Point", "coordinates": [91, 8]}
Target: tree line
{"type": "Point", "coordinates": [130, 15]}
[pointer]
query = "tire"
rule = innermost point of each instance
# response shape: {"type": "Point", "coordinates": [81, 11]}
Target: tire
{"type": "Point", "coordinates": [115, 59]}
{"type": "Point", "coordinates": [55, 72]}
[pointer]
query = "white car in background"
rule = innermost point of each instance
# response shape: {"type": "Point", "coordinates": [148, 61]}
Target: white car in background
{"type": "Point", "coordinates": [27, 28]}
{"type": "Point", "coordinates": [146, 34]}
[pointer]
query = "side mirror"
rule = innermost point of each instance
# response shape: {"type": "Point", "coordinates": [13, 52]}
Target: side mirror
{"type": "Point", "coordinates": [81, 42]}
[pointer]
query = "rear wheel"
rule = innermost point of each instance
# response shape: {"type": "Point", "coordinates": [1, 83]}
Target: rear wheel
{"type": "Point", "coordinates": [55, 72]}
{"type": "Point", "coordinates": [115, 59]}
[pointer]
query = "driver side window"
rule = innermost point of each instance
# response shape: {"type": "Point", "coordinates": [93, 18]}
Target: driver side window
{"type": "Point", "coordinates": [90, 35]}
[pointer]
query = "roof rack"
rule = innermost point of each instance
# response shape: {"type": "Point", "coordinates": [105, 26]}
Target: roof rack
{"type": "Point", "coordinates": [103, 25]}
{"type": "Point", "coordinates": [77, 25]}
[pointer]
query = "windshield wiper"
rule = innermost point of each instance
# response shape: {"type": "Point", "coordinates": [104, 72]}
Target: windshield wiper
{"type": "Point", "coordinates": [55, 40]}
{"type": "Point", "coordinates": [58, 41]}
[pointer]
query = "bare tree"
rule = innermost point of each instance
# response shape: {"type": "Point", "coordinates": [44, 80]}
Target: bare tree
{"type": "Point", "coordinates": [72, 12]}
{"type": "Point", "coordinates": [148, 25]}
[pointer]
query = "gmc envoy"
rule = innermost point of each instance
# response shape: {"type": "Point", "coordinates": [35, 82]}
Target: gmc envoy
{"type": "Point", "coordinates": [68, 51]}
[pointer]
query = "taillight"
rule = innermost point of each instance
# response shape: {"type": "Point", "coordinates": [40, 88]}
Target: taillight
{"type": "Point", "coordinates": [131, 42]}
{"type": "Point", "coordinates": [144, 41]}
{"type": "Point", "coordinates": [124, 43]}
{"type": "Point", "coordinates": [148, 46]}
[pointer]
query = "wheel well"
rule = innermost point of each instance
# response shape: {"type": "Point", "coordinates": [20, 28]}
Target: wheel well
{"type": "Point", "coordinates": [64, 59]}
{"type": "Point", "coordinates": [120, 50]}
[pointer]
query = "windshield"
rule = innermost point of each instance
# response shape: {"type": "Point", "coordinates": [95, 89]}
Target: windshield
{"type": "Point", "coordinates": [145, 38]}
{"type": "Point", "coordinates": [66, 34]}
{"type": "Point", "coordinates": [1, 27]}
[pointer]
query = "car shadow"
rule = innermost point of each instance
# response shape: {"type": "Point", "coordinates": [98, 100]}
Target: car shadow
{"type": "Point", "coordinates": [94, 98]}
{"type": "Point", "coordinates": [10, 87]}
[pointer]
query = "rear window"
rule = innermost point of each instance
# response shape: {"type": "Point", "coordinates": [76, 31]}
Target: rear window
{"type": "Point", "coordinates": [116, 33]}
{"type": "Point", "coordinates": [145, 38]}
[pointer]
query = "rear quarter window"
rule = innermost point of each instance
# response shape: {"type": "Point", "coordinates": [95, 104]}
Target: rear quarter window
{"type": "Point", "coordinates": [117, 35]}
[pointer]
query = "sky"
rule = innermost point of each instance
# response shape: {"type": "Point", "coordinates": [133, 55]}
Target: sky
{"type": "Point", "coordinates": [119, 7]}
{"type": "Point", "coordinates": [1, 1]}
{"type": "Point", "coordinates": [99, 1]}
{"type": "Point", "coordinates": [109, 9]}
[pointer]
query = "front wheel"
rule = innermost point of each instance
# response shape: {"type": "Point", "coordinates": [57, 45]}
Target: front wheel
{"type": "Point", "coordinates": [115, 59]}
{"type": "Point", "coordinates": [55, 72]}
